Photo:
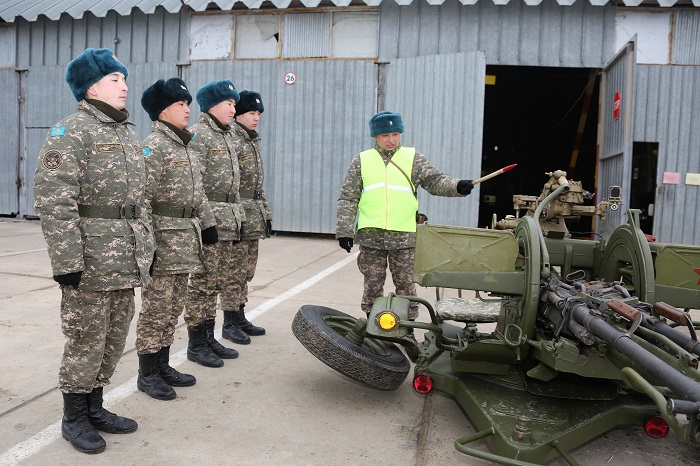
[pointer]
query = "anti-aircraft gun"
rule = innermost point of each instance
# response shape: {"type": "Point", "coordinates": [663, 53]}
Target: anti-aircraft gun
{"type": "Point", "coordinates": [568, 205]}
{"type": "Point", "coordinates": [563, 339]}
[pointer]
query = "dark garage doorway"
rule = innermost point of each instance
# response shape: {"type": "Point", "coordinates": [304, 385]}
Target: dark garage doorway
{"type": "Point", "coordinates": [532, 117]}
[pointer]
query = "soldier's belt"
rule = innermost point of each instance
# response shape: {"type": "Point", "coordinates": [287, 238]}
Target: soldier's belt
{"type": "Point", "coordinates": [110, 211]}
{"type": "Point", "coordinates": [221, 197]}
{"type": "Point", "coordinates": [177, 212]}
{"type": "Point", "coordinates": [251, 194]}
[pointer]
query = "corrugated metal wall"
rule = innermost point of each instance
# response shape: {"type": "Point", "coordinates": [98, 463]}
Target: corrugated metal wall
{"type": "Point", "coordinates": [668, 112]}
{"type": "Point", "coordinates": [160, 37]}
{"type": "Point", "coordinates": [686, 40]}
{"type": "Point", "coordinates": [443, 115]}
{"type": "Point", "coordinates": [9, 161]}
{"type": "Point", "coordinates": [309, 131]}
{"type": "Point", "coordinates": [8, 39]}
{"type": "Point", "coordinates": [578, 36]}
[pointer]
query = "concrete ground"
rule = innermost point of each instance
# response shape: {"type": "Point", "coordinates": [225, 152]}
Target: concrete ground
{"type": "Point", "coordinates": [275, 404]}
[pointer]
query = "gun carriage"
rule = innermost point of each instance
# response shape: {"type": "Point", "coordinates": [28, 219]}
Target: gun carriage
{"type": "Point", "coordinates": [559, 340]}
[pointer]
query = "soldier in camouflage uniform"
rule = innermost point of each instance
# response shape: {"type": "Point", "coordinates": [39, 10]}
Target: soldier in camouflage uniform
{"type": "Point", "coordinates": [89, 193]}
{"type": "Point", "coordinates": [258, 215]}
{"type": "Point", "coordinates": [221, 175]}
{"type": "Point", "coordinates": [180, 213]}
{"type": "Point", "coordinates": [258, 224]}
{"type": "Point", "coordinates": [378, 193]}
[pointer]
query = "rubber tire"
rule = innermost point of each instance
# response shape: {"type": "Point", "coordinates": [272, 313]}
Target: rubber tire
{"type": "Point", "coordinates": [379, 371]}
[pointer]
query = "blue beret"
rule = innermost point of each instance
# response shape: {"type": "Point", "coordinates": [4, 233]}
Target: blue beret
{"type": "Point", "coordinates": [250, 102]}
{"type": "Point", "coordinates": [162, 94]}
{"type": "Point", "coordinates": [89, 67]}
{"type": "Point", "coordinates": [216, 92]}
{"type": "Point", "coordinates": [385, 122]}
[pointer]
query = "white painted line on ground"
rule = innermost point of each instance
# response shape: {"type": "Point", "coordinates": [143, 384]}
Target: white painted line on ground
{"type": "Point", "coordinates": [18, 253]}
{"type": "Point", "coordinates": [267, 305]}
{"type": "Point", "coordinates": [33, 445]}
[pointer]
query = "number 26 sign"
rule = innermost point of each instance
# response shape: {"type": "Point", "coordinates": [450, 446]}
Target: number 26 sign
{"type": "Point", "coordinates": [290, 78]}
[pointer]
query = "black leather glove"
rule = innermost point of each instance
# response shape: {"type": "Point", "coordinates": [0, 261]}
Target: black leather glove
{"type": "Point", "coordinates": [72, 279]}
{"type": "Point", "coordinates": [345, 243]}
{"type": "Point", "coordinates": [210, 235]}
{"type": "Point", "coordinates": [268, 223]}
{"type": "Point", "coordinates": [464, 187]}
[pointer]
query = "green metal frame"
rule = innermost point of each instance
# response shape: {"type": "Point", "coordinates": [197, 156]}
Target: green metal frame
{"type": "Point", "coordinates": [532, 400]}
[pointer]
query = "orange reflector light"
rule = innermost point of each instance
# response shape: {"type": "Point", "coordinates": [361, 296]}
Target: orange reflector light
{"type": "Point", "coordinates": [387, 321]}
{"type": "Point", "coordinates": [423, 384]}
{"type": "Point", "coordinates": [656, 426]}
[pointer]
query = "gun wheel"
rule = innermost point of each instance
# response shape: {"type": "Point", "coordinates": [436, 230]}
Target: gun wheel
{"type": "Point", "coordinates": [376, 363]}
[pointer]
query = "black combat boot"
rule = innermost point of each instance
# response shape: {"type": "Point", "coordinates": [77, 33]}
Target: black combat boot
{"type": "Point", "coordinates": [170, 375]}
{"type": "Point", "coordinates": [231, 329]}
{"type": "Point", "coordinates": [103, 420]}
{"type": "Point", "coordinates": [150, 381]}
{"type": "Point", "coordinates": [246, 326]}
{"type": "Point", "coordinates": [75, 426]}
{"type": "Point", "coordinates": [218, 349]}
{"type": "Point", "coordinates": [198, 350]}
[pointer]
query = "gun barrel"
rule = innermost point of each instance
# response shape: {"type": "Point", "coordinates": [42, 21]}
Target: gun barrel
{"type": "Point", "coordinates": [683, 386]}
{"type": "Point", "coordinates": [682, 340]}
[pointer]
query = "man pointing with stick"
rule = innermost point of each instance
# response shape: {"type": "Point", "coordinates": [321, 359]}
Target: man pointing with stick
{"type": "Point", "coordinates": [377, 208]}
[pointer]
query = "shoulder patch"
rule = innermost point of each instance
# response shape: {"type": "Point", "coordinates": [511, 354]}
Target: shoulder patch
{"type": "Point", "coordinates": [57, 131]}
{"type": "Point", "coordinates": [146, 151]}
{"type": "Point", "coordinates": [52, 160]}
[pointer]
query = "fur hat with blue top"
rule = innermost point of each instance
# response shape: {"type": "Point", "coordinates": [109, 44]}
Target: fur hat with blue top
{"type": "Point", "coordinates": [89, 67]}
{"type": "Point", "coordinates": [385, 122]}
{"type": "Point", "coordinates": [250, 102]}
{"type": "Point", "coordinates": [162, 94]}
{"type": "Point", "coordinates": [216, 92]}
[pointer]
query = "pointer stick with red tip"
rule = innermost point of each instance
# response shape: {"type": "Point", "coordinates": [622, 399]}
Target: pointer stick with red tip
{"type": "Point", "coordinates": [496, 173]}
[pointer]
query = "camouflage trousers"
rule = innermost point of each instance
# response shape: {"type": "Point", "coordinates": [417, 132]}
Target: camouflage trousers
{"type": "Point", "coordinates": [373, 263]}
{"type": "Point", "coordinates": [224, 279]}
{"type": "Point", "coordinates": [95, 324]}
{"type": "Point", "coordinates": [163, 300]}
{"type": "Point", "coordinates": [250, 256]}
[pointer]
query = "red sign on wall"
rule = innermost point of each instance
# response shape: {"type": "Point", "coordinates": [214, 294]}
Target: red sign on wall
{"type": "Point", "coordinates": [617, 104]}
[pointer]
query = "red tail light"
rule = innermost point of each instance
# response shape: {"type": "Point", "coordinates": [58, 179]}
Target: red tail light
{"type": "Point", "coordinates": [655, 426]}
{"type": "Point", "coordinates": [423, 384]}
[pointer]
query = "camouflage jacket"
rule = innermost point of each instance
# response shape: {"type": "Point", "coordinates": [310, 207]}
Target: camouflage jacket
{"type": "Point", "coordinates": [174, 186]}
{"type": "Point", "coordinates": [257, 210]}
{"type": "Point", "coordinates": [423, 174]}
{"type": "Point", "coordinates": [90, 159]}
{"type": "Point", "coordinates": [220, 174]}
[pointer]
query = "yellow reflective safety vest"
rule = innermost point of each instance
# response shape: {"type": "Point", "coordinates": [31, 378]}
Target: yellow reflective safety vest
{"type": "Point", "coordinates": [387, 199]}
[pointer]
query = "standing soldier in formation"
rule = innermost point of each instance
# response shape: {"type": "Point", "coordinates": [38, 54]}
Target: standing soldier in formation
{"type": "Point", "coordinates": [379, 192]}
{"type": "Point", "coordinates": [216, 149]}
{"type": "Point", "coordinates": [180, 213]}
{"type": "Point", "coordinates": [257, 211]}
{"type": "Point", "coordinates": [89, 192]}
